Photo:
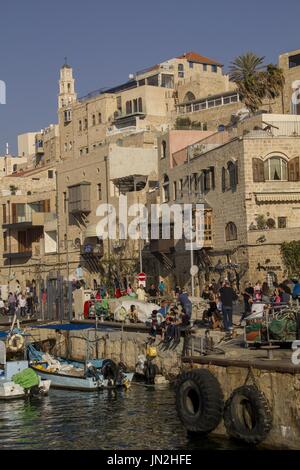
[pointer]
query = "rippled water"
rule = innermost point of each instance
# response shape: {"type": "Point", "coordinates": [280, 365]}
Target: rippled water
{"type": "Point", "coordinates": [143, 417]}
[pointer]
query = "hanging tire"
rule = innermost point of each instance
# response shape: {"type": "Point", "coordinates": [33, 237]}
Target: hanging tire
{"type": "Point", "coordinates": [199, 401]}
{"type": "Point", "coordinates": [247, 416]}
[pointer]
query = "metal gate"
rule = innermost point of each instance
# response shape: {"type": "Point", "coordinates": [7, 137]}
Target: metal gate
{"type": "Point", "coordinates": [59, 299]}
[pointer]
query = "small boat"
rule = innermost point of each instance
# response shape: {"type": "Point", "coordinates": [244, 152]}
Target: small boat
{"type": "Point", "coordinates": [85, 376]}
{"type": "Point", "coordinates": [14, 374]}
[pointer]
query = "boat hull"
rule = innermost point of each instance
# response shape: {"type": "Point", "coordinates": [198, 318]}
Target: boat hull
{"type": "Point", "coordinates": [64, 381]}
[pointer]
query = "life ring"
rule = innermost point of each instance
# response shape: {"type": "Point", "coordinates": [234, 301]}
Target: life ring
{"type": "Point", "coordinates": [199, 400]}
{"type": "Point", "coordinates": [16, 342]}
{"type": "Point", "coordinates": [247, 416]}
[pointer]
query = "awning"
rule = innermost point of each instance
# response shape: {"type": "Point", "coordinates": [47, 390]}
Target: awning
{"type": "Point", "coordinates": [278, 197]}
{"type": "Point", "coordinates": [91, 231]}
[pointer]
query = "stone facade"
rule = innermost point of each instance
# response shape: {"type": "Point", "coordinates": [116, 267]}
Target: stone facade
{"type": "Point", "coordinates": [236, 201]}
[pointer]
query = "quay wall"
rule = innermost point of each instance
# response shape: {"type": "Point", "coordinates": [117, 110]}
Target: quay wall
{"type": "Point", "coordinates": [282, 391]}
{"type": "Point", "coordinates": [115, 345]}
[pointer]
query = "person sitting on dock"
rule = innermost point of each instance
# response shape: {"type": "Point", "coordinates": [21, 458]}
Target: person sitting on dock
{"type": "Point", "coordinates": [133, 315]}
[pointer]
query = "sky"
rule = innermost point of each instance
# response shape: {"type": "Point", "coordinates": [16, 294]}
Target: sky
{"type": "Point", "coordinates": [105, 41]}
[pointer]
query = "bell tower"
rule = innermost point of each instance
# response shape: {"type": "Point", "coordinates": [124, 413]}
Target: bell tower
{"type": "Point", "coordinates": [67, 94]}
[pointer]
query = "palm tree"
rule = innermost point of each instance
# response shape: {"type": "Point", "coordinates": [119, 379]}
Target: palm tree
{"type": "Point", "coordinates": [274, 82]}
{"type": "Point", "coordinates": [254, 80]}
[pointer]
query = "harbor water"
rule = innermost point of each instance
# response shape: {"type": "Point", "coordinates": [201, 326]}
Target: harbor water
{"type": "Point", "coordinates": [142, 417]}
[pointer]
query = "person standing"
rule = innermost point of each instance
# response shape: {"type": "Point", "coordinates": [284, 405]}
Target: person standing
{"type": "Point", "coordinates": [152, 291]}
{"type": "Point", "coordinates": [141, 293]}
{"type": "Point", "coordinates": [185, 303]}
{"type": "Point", "coordinates": [12, 302]}
{"type": "Point", "coordinates": [227, 295]}
{"type": "Point", "coordinates": [161, 288]}
{"type": "Point", "coordinates": [248, 298]}
{"type": "Point", "coordinates": [22, 305]}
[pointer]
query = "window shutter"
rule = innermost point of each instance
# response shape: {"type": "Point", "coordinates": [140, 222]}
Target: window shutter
{"type": "Point", "coordinates": [258, 170]}
{"type": "Point", "coordinates": [293, 169]}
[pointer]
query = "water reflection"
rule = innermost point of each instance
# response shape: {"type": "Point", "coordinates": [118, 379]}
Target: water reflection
{"type": "Point", "coordinates": [140, 418]}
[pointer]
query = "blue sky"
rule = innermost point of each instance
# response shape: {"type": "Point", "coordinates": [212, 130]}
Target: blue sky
{"type": "Point", "coordinates": [106, 40]}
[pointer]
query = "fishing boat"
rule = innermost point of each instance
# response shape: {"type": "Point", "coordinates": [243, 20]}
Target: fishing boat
{"type": "Point", "coordinates": [85, 376]}
{"type": "Point", "coordinates": [17, 380]}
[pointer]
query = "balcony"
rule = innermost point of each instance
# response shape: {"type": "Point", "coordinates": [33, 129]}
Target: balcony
{"type": "Point", "coordinates": [162, 246]}
{"type": "Point", "coordinates": [17, 254]}
{"type": "Point", "coordinates": [273, 235]}
{"type": "Point", "coordinates": [88, 250]}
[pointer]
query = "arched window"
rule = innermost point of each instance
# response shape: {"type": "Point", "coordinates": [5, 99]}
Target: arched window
{"type": "Point", "coordinates": [163, 149]}
{"type": "Point", "coordinates": [275, 169]}
{"type": "Point", "coordinates": [99, 118]}
{"type": "Point", "coordinates": [189, 96]}
{"type": "Point", "coordinates": [166, 189]}
{"type": "Point", "coordinates": [80, 126]}
{"type": "Point", "coordinates": [230, 232]}
{"type": "Point", "coordinates": [94, 120]}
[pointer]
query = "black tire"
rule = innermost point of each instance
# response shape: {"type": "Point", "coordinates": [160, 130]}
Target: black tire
{"type": "Point", "coordinates": [247, 416]}
{"type": "Point", "coordinates": [199, 401]}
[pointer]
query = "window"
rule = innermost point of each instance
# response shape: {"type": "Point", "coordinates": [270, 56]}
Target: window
{"type": "Point", "coordinates": [67, 116]}
{"type": "Point", "coordinates": [214, 68]}
{"type": "Point", "coordinates": [140, 105]}
{"type": "Point", "coordinates": [65, 147]}
{"type": "Point", "coordinates": [206, 178]}
{"type": "Point", "coordinates": [81, 151]}
{"type": "Point", "coordinates": [135, 106]}
{"type": "Point", "coordinates": [189, 97]}
{"type": "Point", "coordinates": [5, 244]}
{"type": "Point", "coordinates": [50, 174]}
{"type": "Point", "coordinates": [69, 88]}
{"type": "Point", "coordinates": [70, 145]}
{"type": "Point", "coordinates": [99, 118]}
{"type": "Point", "coordinates": [128, 107]}
{"type": "Point", "coordinates": [99, 191]}
{"type": "Point", "coordinates": [85, 124]}
{"type": "Point", "coordinates": [230, 232]}
{"type": "Point", "coordinates": [65, 201]}
{"type": "Point", "coordinates": [282, 222]}
{"type": "Point", "coordinates": [4, 215]}
{"type": "Point", "coordinates": [80, 126]}
{"type": "Point", "coordinates": [204, 68]}
{"type": "Point", "coordinates": [119, 103]}
{"type": "Point", "coordinates": [94, 119]}
{"type": "Point", "coordinates": [180, 68]}
{"type": "Point", "coordinates": [166, 189]}
{"type": "Point", "coordinates": [294, 61]}
{"type": "Point", "coordinates": [86, 150]}
{"type": "Point", "coordinates": [174, 190]}
{"type": "Point", "coordinates": [163, 149]}
{"type": "Point", "coordinates": [232, 171]}
{"type": "Point", "coordinates": [191, 65]}
{"type": "Point", "coordinates": [275, 169]}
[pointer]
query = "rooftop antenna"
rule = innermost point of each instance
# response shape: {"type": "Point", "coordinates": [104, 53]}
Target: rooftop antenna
{"type": "Point", "coordinates": [7, 147]}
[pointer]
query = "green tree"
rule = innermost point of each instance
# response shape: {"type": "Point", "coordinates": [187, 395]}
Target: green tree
{"type": "Point", "coordinates": [290, 252]}
{"type": "Point", "coordinates": [255, 81]}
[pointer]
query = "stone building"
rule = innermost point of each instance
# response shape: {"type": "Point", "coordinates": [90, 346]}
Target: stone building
{"type": "Point", "coordinates": [28, 221]}
{"type": "Point", "coordinates": [248, 182]}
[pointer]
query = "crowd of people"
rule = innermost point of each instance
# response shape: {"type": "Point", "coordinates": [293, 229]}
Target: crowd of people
{"type": "Point", "coordinates": [221, 299]}
{"type": "Point", "coordinates": [20, 302]}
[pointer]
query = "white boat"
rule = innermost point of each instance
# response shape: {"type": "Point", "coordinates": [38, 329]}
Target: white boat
{"type": "Point", "coordinates": [77, 376]}
{"type": "Point", "coordinates": [8, 388]}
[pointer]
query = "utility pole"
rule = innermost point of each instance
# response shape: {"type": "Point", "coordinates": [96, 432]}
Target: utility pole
{"type": "Point", "coordinates": [191, 225]}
